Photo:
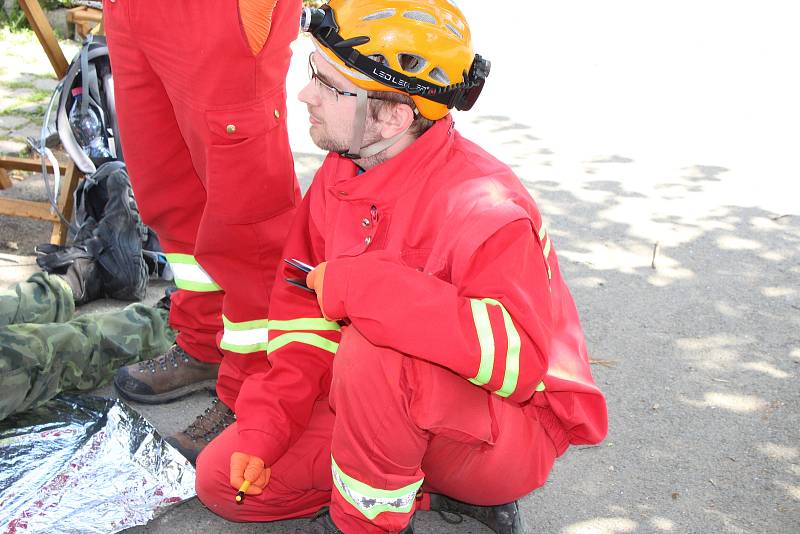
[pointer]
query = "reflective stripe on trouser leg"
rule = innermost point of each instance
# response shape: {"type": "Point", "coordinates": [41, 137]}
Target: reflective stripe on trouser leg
{"type": "Point", "coordinates": [373, 501]}
{"type": "Point", "coordinates": [189, 274]}
{"type": "Point", "coordinates": [245, 337]}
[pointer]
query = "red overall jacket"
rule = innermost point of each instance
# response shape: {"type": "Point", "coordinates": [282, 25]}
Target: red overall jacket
{"type": "Point", "coordinates": [439, 253]}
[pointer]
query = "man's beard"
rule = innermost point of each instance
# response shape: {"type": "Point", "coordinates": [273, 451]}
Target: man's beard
{"type": "Point", "coordinates": [325, 141]}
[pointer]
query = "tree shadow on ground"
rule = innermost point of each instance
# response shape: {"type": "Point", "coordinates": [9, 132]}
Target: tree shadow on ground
{"type": "Point", "coordinates": [703, 353]}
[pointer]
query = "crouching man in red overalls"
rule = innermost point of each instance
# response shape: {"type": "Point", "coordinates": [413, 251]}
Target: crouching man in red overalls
{"type": "Point", "coordinates": [441, 364]}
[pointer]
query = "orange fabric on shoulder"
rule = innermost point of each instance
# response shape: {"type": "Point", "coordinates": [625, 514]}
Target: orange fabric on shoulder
{"type": "Point", "coordinates": [256, 17]}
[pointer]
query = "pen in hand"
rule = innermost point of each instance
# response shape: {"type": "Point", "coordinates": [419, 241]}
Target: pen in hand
{"type": "Point", "coordinates": [242, 489]}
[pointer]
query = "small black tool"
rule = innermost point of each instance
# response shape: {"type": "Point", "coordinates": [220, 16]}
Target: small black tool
{"type": "Point", "coordinates": [302, 267]}
{"type": "Point", "coordinates": [299, 265]}
{"type": "Point", "coordinates": [299, 282]}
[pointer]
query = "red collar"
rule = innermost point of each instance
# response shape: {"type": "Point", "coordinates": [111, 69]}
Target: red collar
{"type": "Point", "coordinates": [385, 182]}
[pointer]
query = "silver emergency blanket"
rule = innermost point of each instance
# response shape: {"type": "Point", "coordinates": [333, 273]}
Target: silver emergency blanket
{"type": "Point", "coordinates": [86, 464]}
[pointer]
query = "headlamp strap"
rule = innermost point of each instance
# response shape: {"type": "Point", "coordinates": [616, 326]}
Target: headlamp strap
{"type": "Point", "coordinates": [359, 125]}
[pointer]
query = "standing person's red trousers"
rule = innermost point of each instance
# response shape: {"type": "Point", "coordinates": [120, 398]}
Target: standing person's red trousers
{"type": "Point", "coordinates": [399, 422]}
{"type": "Point", "coordinates": [203, 125]}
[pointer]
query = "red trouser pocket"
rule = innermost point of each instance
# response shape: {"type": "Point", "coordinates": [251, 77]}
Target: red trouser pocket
{"type": "Point", "coordinates": [249, 172]}
{"type": "Point", "coordinates": [448, 405]}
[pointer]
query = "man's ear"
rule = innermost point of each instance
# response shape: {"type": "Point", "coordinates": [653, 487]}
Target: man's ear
{"type": "Point", "coordinates": [395, 119]}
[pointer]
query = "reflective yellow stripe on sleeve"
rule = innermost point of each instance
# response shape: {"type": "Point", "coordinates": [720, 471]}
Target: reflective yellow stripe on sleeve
{"type": "Point", "coordinates": [480, 315]}
{"type": "Point", "coordinates": [486, 341]}
{"type": "Point", "coordinates": [295, 334]}
{"type": "Point", "coordinates": [544, 238]}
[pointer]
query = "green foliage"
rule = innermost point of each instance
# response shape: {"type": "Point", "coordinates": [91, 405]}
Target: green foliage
{"type": "Point", "coordinates": [13, 19]}
{"type": "Point", "coordinates": [49, 5]}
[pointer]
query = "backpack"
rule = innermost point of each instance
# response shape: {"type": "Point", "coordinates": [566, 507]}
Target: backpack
{"type": "Point", "coordinates": [110, 231]}
{"type": "Point", "coordinates": [90, 70]}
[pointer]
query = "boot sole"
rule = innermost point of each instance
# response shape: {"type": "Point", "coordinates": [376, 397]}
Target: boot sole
{"type": "Point", "coordinates": [161, 398]}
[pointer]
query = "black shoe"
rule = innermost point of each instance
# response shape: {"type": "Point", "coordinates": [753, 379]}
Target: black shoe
{"type": "Point", "coordinates": [84, 278]}
{"type": "Point", "coordinates": [502, 518]}
{"type": "Point", "coordinates": [322, 523]}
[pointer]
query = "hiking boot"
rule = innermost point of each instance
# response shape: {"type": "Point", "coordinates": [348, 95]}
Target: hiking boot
{"type": "Point", "coordinates": [322, 523]}
{"type": "Point", "coordinates": [503, 518]}
{"type": "Point", "coordinates": [170, 376]}
{"type": "Point", "coordinates": [84, 279]}
{"type": "Point", "coordinates": [206, 427]}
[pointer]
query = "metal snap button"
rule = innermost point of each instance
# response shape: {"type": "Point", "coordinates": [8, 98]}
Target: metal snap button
{"type": "Point", "coordinates": [368, 240]}
{"type": "Point", "coordinates": [231, 128]}
{"type": "Point", "coordinates": [277, 114]}
{"type": "Point", "coordinates": [365, 222]}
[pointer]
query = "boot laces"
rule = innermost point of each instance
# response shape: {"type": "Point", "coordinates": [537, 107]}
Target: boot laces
{"type": "Point", "coordinates": [174, 357]}
{"type": "Point", "coordinates": [211, 422]}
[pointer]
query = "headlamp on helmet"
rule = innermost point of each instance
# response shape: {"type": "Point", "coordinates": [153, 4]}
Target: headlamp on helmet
{"type": "Point", "coordinates": [433, 99]}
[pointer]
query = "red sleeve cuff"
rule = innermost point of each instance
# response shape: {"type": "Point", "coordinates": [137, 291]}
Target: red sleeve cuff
{"type": "Point", "coordinates": [334, 288]}
{"type": "Point", "coordinates": [258, 443]}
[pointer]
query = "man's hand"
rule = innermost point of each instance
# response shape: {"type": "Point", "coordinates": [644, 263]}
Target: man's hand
{"type": "Point", "coordinates": [314, 281]}
{"type": "Point", "coordinates": [245, 466]}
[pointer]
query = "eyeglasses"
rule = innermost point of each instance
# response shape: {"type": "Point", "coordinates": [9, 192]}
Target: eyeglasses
{"type": "Point", "coordinates": [313, 74]}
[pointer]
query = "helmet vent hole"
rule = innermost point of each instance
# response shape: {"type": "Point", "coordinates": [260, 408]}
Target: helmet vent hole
{"type": "Point", "coordinates": [411, 62]}
{"type": "Point", "coordinates": [420, 16]}
{"type": "Point", "coordinates": [383, 14]}
{"type": "Point", "coordinates": [440, 76]}
{"type": "Point", "coordinates": [454, 31]}
{"type": "Point", "coordinates": [380, 58]}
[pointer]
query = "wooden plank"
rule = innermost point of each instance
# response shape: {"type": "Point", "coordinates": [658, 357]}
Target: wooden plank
{"type": "Point", "coordinates": [66, 204]}
{"type": "Point", "coordinates": [84, 14]}
{"type": "Point", "coordinates": [5, 179]}
{"type": "Point", "coordinates": [27, 164]}
{"type": "Point", "coordinates": [27, 209]}
{"type": "Point", "coordinates": [33, 11]}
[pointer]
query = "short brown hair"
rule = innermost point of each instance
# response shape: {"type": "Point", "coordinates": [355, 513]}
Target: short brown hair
{"type": "Point", "coordinates": [420, 124]}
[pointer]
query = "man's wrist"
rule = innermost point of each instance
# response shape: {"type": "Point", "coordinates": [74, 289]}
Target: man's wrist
{"type": "Point", "coordinates": [337, 274]}
{"type": "Point", "coordinates": [260, 444]}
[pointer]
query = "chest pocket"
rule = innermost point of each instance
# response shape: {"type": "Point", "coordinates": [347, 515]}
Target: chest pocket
{"type": "Point", "coordinates": [250, 173]}
{"type": "Point", "coordinates": [425, 261]}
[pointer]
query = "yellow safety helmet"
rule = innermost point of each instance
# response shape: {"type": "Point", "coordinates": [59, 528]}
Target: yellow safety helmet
{"type": "Point", "coordinates": [421, 48]}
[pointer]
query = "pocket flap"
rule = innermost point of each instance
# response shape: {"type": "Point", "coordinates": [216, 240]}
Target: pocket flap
{"type": "Point", "coordinates": [247, 121]}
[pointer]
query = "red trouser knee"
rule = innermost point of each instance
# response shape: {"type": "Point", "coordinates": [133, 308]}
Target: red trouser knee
{"type": "Point", "coordinates": [202, 122]}
{"type": "Point", "coordinates": [400, 420]}
{"type": "Point", "coordinates": [300, 483]}
{"type": "Point", "coordinates": [401, 425]}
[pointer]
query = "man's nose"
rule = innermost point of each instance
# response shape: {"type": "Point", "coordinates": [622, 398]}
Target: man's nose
{"type": "Point", "coordinates": [308, 94]}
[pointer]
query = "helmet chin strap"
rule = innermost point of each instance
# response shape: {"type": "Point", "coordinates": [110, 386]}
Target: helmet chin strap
{"type": "Point", "coordinates": [357, 151]}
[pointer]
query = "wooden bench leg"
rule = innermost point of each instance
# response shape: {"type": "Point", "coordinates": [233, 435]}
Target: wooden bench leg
{"type": "Point", "coordinates": [44, 32]}
{"type": "Point", "coordinates": [42, 211]}
{"type": "Point", "coordinates": [5, 179]}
